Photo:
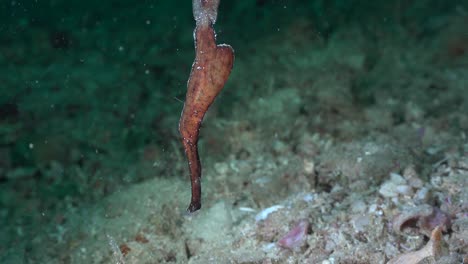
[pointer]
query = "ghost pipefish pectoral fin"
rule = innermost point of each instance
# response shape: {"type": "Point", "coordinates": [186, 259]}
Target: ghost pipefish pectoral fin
{"type": "Point", "coordinates": [210, 71]}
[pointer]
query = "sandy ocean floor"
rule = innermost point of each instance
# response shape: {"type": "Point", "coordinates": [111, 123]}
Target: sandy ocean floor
{"type": "Point", "coordinates": [345, 148]}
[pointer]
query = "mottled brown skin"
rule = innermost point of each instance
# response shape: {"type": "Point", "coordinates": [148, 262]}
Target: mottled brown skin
{"type": "Point", "coordinates": [210, 71]}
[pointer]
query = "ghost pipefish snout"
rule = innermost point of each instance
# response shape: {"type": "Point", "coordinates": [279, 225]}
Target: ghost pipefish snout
{"type": "Point", "coordinates": [210, 71]}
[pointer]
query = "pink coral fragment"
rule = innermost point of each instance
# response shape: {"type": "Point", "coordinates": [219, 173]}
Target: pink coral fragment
{"type": "Point", "coordinates": [296, 237]}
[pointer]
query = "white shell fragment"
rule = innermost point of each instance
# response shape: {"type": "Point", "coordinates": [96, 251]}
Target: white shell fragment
{"type": "Point", "coordinates": [429, 252]}
{"type": "Point", "coordinates": [265, 212]}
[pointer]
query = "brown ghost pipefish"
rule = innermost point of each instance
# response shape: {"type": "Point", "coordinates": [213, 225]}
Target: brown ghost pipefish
{"type": "Point", "coordinates": [210, 71]}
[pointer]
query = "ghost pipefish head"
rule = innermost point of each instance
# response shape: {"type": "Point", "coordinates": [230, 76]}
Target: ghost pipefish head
{"type": "Point", "coordinates": [205, 11]}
